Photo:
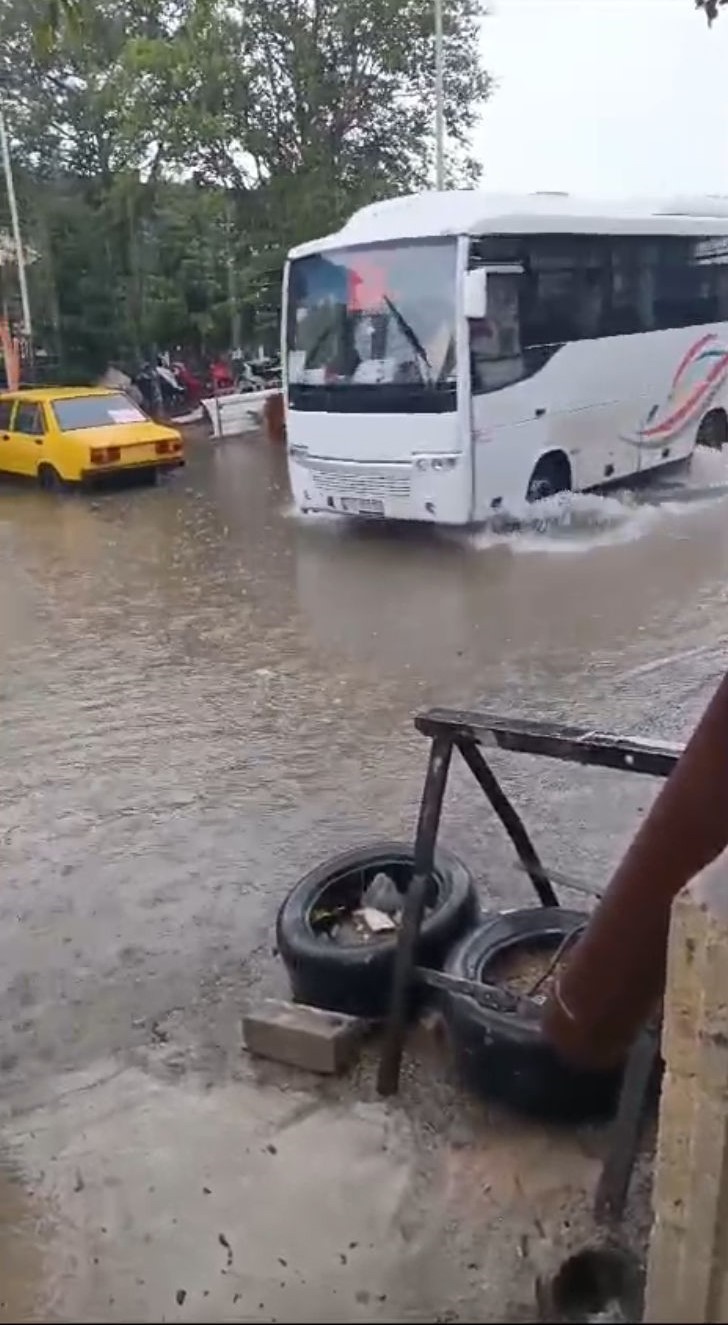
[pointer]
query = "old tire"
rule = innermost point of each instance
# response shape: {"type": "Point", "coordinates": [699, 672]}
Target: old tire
{"type": "Point", "coordinates": [505, 1056]}
{"type": "Point", "coordinates": [356, 978]}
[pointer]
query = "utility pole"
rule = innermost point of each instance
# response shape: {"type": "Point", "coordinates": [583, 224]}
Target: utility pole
{"type": "Point", "coordinates": [15, 222]}
{"type": "Point", "coordinates": [439, 98]}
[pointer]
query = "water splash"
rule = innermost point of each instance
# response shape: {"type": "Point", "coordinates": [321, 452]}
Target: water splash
{"type": "Point", "coordinates": [580, 522]}
{"type": "Point", "coordinates": [570, 522]}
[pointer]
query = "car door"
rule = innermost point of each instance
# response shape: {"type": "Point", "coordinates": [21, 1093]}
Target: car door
{"type": "Point", "coordinates": [27, 437]}
{"type": "Point", "coordinates": [7, 464]}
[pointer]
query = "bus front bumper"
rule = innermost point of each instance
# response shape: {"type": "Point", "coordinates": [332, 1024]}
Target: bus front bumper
{"type": "Point", "coordinates": [434, 489]}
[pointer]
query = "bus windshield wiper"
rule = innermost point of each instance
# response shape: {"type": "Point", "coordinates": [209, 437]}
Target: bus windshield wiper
{"type": "Point", "coordinates": [412, 337]}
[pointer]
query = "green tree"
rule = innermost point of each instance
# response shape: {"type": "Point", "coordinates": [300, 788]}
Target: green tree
{"type": "Point", "coordinates": [168, 152]}
{"type": "Point", "coordinates": [315, 107]}
{"type": "Point", "coordinates": [710, 7]}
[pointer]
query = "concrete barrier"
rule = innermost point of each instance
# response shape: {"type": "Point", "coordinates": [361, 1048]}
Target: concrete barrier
{"type": "Point", "coordinates": [688, 1261]}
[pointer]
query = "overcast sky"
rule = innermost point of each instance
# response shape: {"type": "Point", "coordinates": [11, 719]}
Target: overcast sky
{"type": "Point", "coordinates": [605, 97]}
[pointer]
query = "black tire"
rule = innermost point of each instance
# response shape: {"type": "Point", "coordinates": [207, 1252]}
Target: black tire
{"type": "Point", "coordinates": [713, 430]}
{"type": "Point", "coordinates": [49, 479]}
{"type": "Point", "coordinates": [551, 476]}
{"type": "Point", "coordinates": [505, 1057]}
{"type": "Point", "coordinates": [357, 978]}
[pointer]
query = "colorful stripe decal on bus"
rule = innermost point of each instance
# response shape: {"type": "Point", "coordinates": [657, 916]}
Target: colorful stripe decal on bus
{"type": "Point", "coordinates": [702, 370]}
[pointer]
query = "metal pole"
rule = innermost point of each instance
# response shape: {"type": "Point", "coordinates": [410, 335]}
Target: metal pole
{"type": "Point", "coordinates": [439, 98]}
{"type": "Point", "coordinates": [15, 220]}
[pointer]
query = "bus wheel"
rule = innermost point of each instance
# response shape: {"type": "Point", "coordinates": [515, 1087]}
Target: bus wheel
{"type": "Point", "coordinates": [713, 430]}
{"type": "Point", "coordinates": [551, 475]}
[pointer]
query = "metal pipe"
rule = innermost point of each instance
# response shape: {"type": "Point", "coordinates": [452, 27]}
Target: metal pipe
{"type": "Point", "coordinates": [615, 975]}
{"type": "Point", "coordinates": [439, 97]}
{"type": "Point", "coordinates": [15, 222]}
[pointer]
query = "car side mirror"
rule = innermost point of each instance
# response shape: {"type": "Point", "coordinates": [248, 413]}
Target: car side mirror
{"type": "Point", "coordinates": [476, 294]}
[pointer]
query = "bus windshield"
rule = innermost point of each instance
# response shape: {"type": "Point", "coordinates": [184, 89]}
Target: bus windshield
{"type": "Point", "coordinates": [381, 316]}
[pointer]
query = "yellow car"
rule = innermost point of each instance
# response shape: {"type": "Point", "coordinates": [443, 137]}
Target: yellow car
{"type": "Point", "coordinates": [67, 435]}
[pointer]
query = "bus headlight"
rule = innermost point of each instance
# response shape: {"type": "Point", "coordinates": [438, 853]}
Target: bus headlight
{"type": "Point", "coordinates": [438, 463]}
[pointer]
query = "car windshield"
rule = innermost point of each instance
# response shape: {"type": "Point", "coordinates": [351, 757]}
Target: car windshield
{"type": "Point", "coordinates": [384, 314]}
{"type": "Point", "coordinates": [79, 412]}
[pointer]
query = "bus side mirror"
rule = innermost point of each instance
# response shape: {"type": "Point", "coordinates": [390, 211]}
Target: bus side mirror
{"type": "Point", "coordinates": [476, 294]}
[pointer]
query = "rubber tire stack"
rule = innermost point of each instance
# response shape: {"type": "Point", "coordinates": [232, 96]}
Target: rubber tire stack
{"type": "Point", "coordinates": [356, 978]}
{"type": "Point", "coordinates": [505, 1057]}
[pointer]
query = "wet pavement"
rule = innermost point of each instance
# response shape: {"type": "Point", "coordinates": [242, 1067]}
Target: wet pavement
{"type": "Point", "coordinates": [202, 696]}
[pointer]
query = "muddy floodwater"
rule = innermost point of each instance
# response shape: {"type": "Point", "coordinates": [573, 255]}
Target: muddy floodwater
{"type": "Point", "coordinates": [203, 695]}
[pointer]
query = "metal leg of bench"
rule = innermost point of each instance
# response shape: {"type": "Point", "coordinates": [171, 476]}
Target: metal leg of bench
{"type": "Point", "coordinates": [511, 820]}
{"type": "Point", "coordinates": [626, 1131]}
{"type": "Point", "coordinates": [414, 909]}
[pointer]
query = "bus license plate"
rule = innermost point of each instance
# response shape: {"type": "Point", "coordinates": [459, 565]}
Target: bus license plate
{"type": "Point", "coordinates": [362, 505]}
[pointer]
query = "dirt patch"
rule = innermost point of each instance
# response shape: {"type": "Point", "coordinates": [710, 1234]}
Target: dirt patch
{"type": "Point", "coordinates": [528, 970]}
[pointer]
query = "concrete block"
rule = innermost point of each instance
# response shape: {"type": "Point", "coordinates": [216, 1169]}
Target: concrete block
{"type": "Point", "coordinates": [310, 1038]}
{"type": "Point", "coordinates": [688, 1264]}
{"type": "Point", "coordinates": [664, 1281]}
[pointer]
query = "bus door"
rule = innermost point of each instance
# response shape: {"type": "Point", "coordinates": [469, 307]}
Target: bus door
{"type": "Point", "coordinates": [505, 425]}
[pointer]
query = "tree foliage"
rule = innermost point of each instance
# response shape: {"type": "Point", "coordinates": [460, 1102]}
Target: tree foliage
{"type": "Point", "coordinates": [710, 8]}
{"type": "Point", "coordinates": [168, 152]}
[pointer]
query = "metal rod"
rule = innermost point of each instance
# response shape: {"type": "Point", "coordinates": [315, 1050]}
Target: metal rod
{"type": "Point", "coordinates": [575, 745]}
{"type": "Point", "coordinates": [439, 97]}
{"type": "Point", "coordinates": [562, 880]}
{"type": "Point", "coordinates": [493, 998]}
{"type": "Point", "coordinates": [627, 1128]}
{"type": "Point", "coordinates": [511, 820]}
{"type": "Point", "coordinates": [414, 909]}
{"type": "Point", "coordinates": [15, 221]}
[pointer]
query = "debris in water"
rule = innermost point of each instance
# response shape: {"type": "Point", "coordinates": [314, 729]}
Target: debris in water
{"type": "Point", "coordinates": [224, 1243]}
{"type": "Point", "coordinates": [180, 1295]}
{"type": "Point", "coordinates": [79, 1184]}
{"type": "Point", "coordinates": [377, 921]}
{"type": "Point", "coordinates": [382, 894]}
{"type": "Point", "coordinates": [363, 926]}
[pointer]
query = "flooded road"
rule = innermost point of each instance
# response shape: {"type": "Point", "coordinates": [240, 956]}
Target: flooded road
{"type": "Point", "coordinates": [203, 696]}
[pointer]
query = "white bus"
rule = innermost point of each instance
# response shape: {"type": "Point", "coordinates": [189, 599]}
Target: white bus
{"type": "Point", "coordinates": [450, 355]}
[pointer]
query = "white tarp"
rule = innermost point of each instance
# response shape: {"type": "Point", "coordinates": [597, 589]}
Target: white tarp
{"type": "Point", "coordinates": [238, 413]}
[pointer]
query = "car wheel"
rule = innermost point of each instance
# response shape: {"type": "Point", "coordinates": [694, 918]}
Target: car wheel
{"type": "Point", "coordinates": [356, 977]}
{"type": "Point", "coordinates": [505, 1056]}
{"type": "Point", "coordinates": [49, 479]}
